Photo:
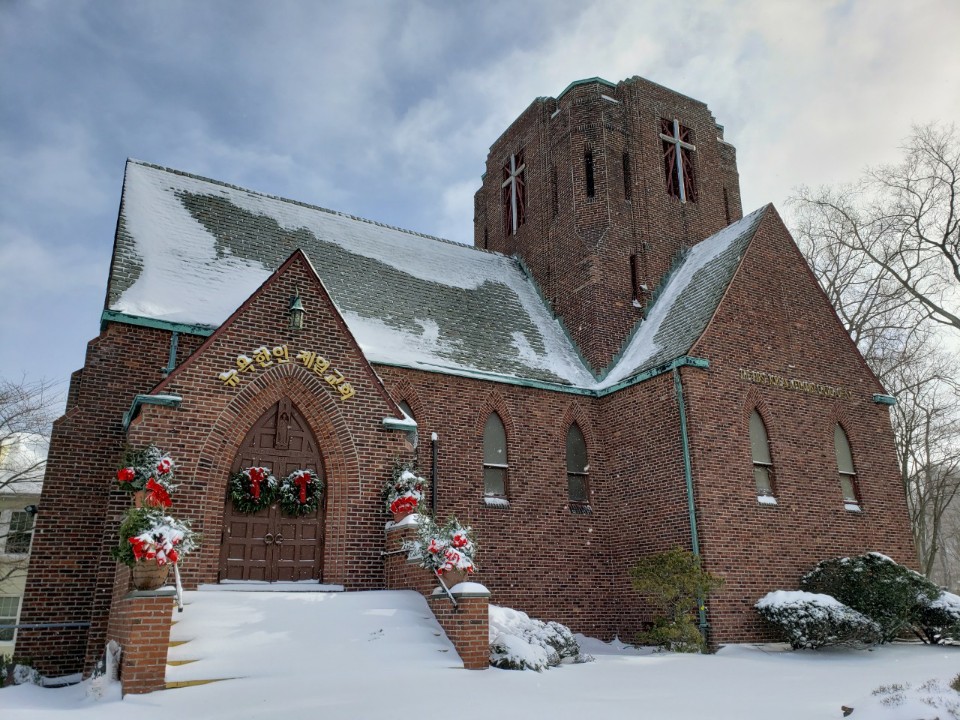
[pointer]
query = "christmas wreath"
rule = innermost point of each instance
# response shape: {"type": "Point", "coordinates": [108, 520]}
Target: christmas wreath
{"type": "Point", "coordinates": [253, 489]}
{"type": "Point", "coordinates": [300, 493]}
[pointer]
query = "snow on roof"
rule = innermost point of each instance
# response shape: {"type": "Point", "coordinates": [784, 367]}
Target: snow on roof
{"type": "Point", "coordinates": [688, 298]}
{"type": "Point", "coordinates": [191, 250]}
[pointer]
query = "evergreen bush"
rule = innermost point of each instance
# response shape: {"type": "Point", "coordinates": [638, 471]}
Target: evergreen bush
{"type": "Point", "coordinates": [939, 619]}
{"type": "Point", "coordinates": [888, 593]}
{"type": "Point", "coordinates": [811, 620]}
{"type": "Point", "coordinates": [675, 584]}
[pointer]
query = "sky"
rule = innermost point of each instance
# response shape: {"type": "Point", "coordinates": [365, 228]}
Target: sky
{"type": "Point", "coordinates": [386, 109]}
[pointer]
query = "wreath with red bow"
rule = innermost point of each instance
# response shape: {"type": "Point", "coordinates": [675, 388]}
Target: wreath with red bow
{"type": "Point", "coordinates": [253, 489]}
{"type": "Point", "coordinates": [300, 493]}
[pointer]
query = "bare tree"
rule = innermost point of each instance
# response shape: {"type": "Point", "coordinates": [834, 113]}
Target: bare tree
{"type": "Point", "coordinates": [887, 253]}
{"type": "Point", "coordinates": [26, 411]}
{"type": "Point", "coordinates": [902, 223]}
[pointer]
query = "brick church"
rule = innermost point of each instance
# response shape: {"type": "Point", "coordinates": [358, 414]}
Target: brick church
{"type": "Point", "coordinates": [623, 363]}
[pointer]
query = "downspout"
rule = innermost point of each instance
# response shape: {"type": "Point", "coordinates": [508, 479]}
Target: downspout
{"type": "Point", "coordinates": [688, 475]}
{"type": "Point", "coordinates": [172, 359]}
{"type": "Point", "coordinates": [433, 473]}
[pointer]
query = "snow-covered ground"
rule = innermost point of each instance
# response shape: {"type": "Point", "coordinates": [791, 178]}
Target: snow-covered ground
{"type": "Point", "coordinates": [381, 654]}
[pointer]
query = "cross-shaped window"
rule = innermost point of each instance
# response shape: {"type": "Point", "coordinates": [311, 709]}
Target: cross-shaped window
{"type": "Point", "coordinates": [514, 194]}
{"type": "Point", "coordinates": [678, 159]}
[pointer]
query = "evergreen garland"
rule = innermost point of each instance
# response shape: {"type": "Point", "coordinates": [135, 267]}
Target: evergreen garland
{"type": "Point", "coordinates": [299, 498]}
{"type": "Point", "coordinates": [244, 491]}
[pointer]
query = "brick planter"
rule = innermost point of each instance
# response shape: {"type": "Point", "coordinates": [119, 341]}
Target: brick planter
{"type": "Point", "coordinates": [467, 625]}
{"type": "Point", "coordinates": [140, 623]}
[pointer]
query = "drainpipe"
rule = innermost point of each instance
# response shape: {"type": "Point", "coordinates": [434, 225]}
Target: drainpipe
{"type": "Point", "coordinates": [433, 474]}
{"type": "Point", "coordinates": [172, 359]}
{"type": "Point", "coordinates": [688, 475]}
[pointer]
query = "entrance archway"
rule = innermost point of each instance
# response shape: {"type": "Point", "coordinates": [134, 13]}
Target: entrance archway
{"type": "Point", "coordinates": [268, 545]}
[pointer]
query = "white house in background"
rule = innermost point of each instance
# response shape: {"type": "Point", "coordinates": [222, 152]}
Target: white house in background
{"type": "Point", "coordinates": [22, 460]}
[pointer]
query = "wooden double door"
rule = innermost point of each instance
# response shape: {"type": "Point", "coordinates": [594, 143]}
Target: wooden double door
{"type": "Point", "coordinates": [269, 545]}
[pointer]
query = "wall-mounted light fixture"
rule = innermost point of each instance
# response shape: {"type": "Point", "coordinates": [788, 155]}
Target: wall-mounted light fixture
{"type": "Point", "coordinates": [296, 312]}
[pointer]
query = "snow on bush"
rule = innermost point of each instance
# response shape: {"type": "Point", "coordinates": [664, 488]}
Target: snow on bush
{"type": "Point", "coordinates": [939, 619]}
{"type": "Point", "coordinates": [873, 584]}
{"type": "Point", "coordinates": [813, 620]}
{"type": "Point", "coordinates": [520, 642]}
{"type": "Point", "coordinates": [935, 699]}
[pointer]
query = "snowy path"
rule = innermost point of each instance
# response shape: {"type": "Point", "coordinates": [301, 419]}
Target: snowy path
{"type": "Point", "coordinates": [371, 655]}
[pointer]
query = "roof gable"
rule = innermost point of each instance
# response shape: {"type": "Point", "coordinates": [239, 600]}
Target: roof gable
{"type": "Point", "coordinates": [686, 300]}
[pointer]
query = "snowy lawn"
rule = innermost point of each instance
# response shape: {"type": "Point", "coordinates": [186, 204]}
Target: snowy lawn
{"type": "Point", "coordinates": [374, 654]}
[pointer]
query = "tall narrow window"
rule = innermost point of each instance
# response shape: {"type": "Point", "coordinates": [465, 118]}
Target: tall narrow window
{"type": "Point", "coordinates": [414, 436]}
{"type": "Point", "coordinates": [627, 180]}
{"type": "Point", "coordinates": [634, 280]}
{"type": "Point", "coordinates": [578, 486]}
{"type": "Point", "coordinates": [494, 457]}
{"type": "Point", "coordinates": [726, 205]}
{"type": "Point", "coordinates": [554, 191]}
{"type": "Point", "coordinates": [514, 193]}
{"type": "Point", "coordinates": [678, 149]}
{"type": "Point", "coordinates": [8, 616]}
{"type": "Point", "coordinates": [19, 530]}
{"type": "Point", "coordinates": [848, 475]}
{"type": "Point", "coordinates": [588, 171]}
{"type": "Point", "coordinates": [762, 464]}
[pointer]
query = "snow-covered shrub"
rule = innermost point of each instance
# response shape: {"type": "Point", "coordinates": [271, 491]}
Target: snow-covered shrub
{"type": "Point", "coordinates": [875, 585]}
{"type": "Point", "coordinates": [675, 584]}
{"type": "Point", "coordinates": [935, 699]}
{"type": "Point", "coordinates": [811, 620]}
{"type": "Point", "coordinates": [520, 642]}
{"type": "Point", "coordinates": [15, 671]}
{"type": "Point", "coordinates": [939, 619]}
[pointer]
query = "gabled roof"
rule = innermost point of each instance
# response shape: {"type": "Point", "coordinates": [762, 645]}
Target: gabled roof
{"type": "Point", "coordinates": [686, 300]}
{"type": "Point", "coordinates": [190, 250]}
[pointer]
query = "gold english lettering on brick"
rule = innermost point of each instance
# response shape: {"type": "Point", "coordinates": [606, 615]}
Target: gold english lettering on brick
{"type": "Point", "coordinates": [758, 377]}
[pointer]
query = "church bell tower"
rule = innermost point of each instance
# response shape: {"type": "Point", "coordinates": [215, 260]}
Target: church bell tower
{"type": "Point", "coordinates": [598, 191]}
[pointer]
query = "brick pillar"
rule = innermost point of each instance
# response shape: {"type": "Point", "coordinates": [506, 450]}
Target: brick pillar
{"type": "Point", "coordinates": [468, 624]}
{"type": "Point", "coordinates": [140, 623]}
{"type": "Point", "coordinates": [401, 574]}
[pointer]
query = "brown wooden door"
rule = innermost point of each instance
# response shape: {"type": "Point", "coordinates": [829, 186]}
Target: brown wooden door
{"type": "Point", "coordinates": [268, 545]}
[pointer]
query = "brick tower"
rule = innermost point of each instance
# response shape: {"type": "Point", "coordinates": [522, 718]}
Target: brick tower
{"type": "Point", "coordinates": [598, 190]}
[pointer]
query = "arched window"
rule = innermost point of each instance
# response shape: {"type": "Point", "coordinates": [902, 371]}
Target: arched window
{"type": "Point", "coordinates": [762, 464]}
{"type": "Point", "coordinates": [578, 486]}
{"type": "Point", "coordinates": [413, 436]}
{"type": "Point", "coordinates": [848, 475]}
{"type": "Point", "coordinates": [494, 457]}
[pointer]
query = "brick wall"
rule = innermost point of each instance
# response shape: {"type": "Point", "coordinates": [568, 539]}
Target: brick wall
{"type": "Point", "coordinates": [774, 319]}
{"type": "Point", "coordinates": [467, 625]}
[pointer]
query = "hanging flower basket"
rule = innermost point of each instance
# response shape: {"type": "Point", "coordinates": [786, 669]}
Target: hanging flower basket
{"type": "Point", "coordinates": [148, 474]}
{"type": "Point", "coordinates": [300, 493]}
{"type": "Point", "coordinates": [447, 550]}
{"type": "Point", "coordinates": [147, 575]}
{"type": "Point", "coordinates": [253, 489]}
{"type": "Point", "coordinates": [403, 492]}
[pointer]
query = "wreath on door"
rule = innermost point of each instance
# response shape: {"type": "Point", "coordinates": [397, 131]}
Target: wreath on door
{"type": "Point", "coordinates": [253, 489]}
{"type": "Point", "coordinates": [300, 493]}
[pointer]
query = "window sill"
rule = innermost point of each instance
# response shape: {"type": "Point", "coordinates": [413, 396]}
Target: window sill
{"type": "Point", "coordinates": [766, 500]}
{"type": "Point", "coordinates": [580, 509]}
{"type": "Point", "coordinates": [852, 507]}
{"type": "Point", "coordinates": [496, 502]}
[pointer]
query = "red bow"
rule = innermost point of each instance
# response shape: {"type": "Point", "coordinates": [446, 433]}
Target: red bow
{"type": "Point", "coordinates": [301, 480]}
{"type": "Point", "coordinates": [256, 477]}
{"type": "Point", "coordinates": [157, 494]}
{"type": "Point", "coordinates": [125, 474]}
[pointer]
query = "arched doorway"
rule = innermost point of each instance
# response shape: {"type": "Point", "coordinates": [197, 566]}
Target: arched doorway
{"type": "Point", "coordinates": [268, 545]}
